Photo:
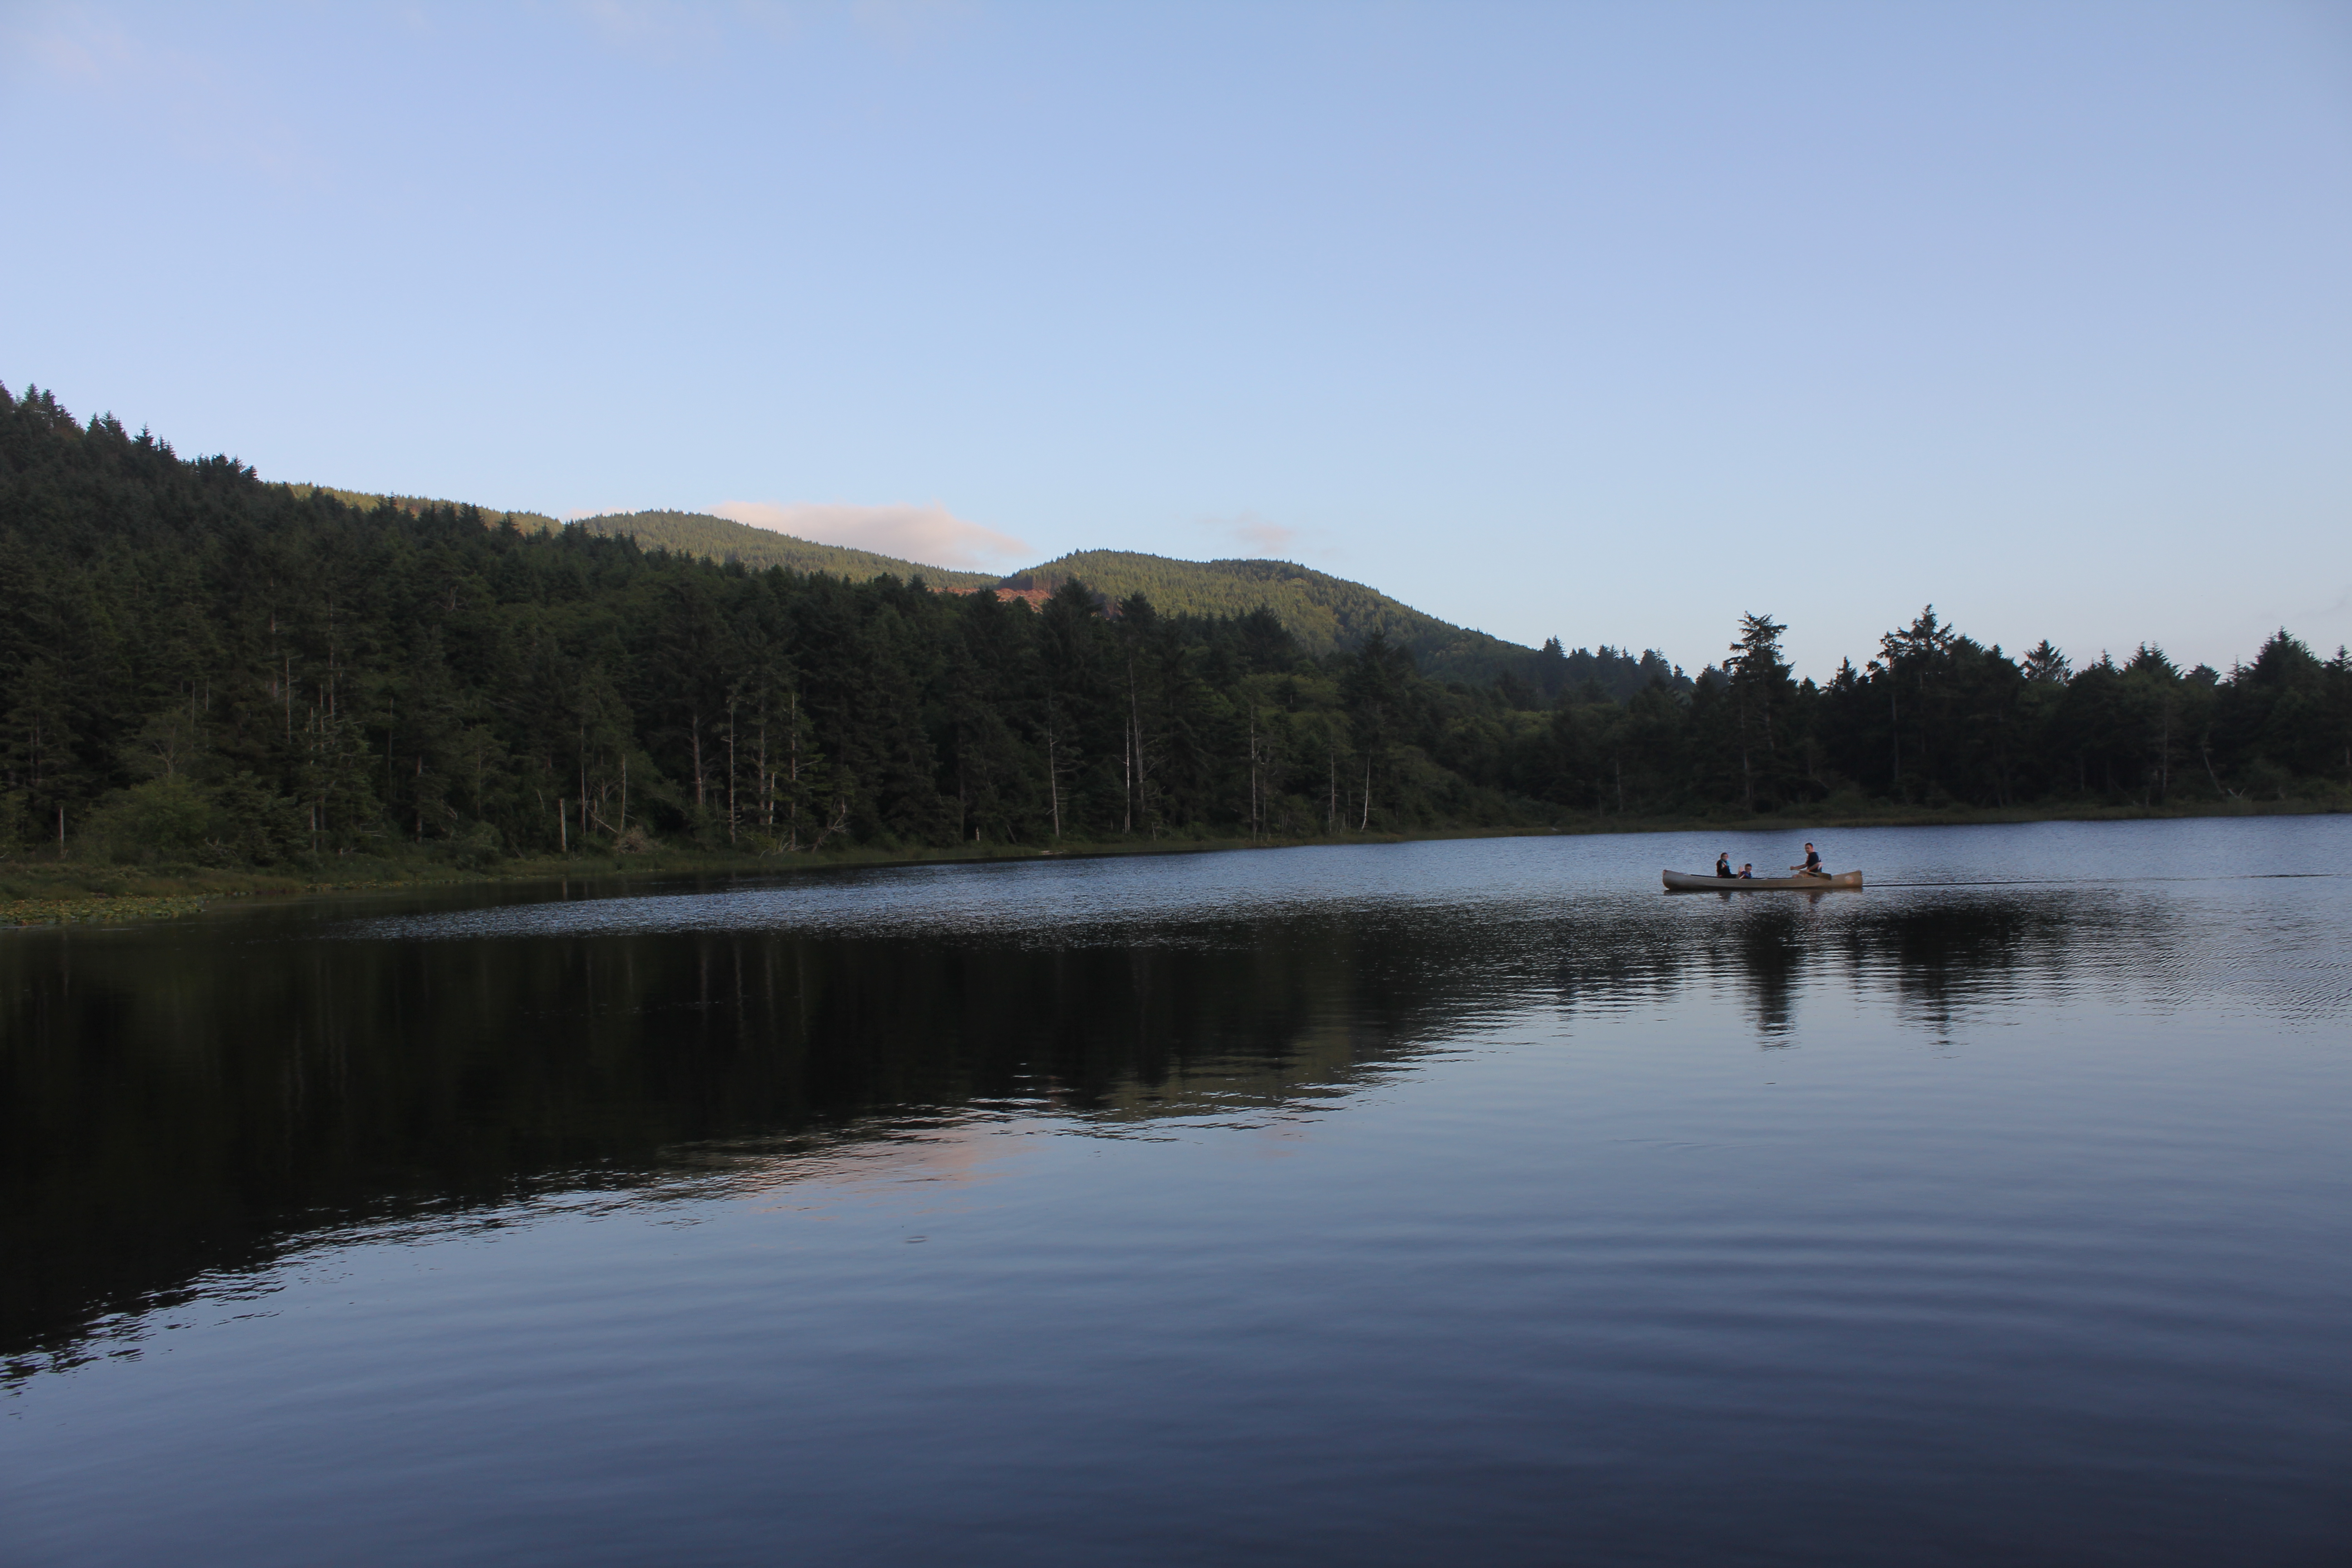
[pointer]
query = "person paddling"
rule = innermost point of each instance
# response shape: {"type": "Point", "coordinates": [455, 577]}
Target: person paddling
{"type": "Point", "coordinates": [1812, 866]}
{"type": "Point", "coordinates": [1723, 865]}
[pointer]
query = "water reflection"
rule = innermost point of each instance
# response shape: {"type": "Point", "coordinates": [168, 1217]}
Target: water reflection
{"type": "Point", "coordinates": [185, 1103]}
{"type": "Point", "coordinates": [182, 1103]}
{"type": "Point", "coordinates": [1937, 956]}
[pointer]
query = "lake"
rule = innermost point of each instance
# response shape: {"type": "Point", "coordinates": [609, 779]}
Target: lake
{"type": "Point", "coordinates": [1464, 1201]}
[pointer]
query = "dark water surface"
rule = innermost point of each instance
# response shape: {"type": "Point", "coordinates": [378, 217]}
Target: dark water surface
{"type": "Point", "coordinates": [1462, 1201]}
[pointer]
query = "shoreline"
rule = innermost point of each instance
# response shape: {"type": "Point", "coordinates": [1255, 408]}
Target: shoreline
{"type": "Point", "coordinates": [36, 894]}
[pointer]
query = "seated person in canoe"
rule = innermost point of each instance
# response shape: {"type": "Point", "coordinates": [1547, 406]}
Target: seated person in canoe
{"type": "Point", "coordinates": [1812, 866]}
{"type": "Point", "coordinates": [1723, 865]}
{"type": "Point", "coordinates": [1812, 877]}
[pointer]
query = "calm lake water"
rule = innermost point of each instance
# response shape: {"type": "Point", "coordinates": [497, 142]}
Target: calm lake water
{"type": "Point", "coordinates": [1465, 1202]}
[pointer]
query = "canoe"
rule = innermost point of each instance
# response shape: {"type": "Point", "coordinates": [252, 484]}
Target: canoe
{"type": "Point", "coordinates": [1685, 882]}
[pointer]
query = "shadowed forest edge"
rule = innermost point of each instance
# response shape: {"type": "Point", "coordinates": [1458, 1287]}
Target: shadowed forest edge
{"type": "Point", "coordinates": [205, 670]}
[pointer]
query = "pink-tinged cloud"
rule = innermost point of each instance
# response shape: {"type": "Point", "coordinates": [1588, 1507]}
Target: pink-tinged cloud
{"type": "Point", "coordinates": [1270, 537]}
{"type": "Point", "coordinates": [932, 534]}
{"type": "Point", "coordinates": [1260, 537]}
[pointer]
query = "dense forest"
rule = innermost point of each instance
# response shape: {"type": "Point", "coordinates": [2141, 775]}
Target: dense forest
{"type": "Point", "coordinates": [697, 533]}
{"type": "Point", "coordinates": [196, 665]}
{"type": "Point", "coordinates": [368, 501]}
{"type": "Point", "coordinates": [1326, 613]}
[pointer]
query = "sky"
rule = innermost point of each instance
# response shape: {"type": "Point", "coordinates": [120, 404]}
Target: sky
{"type": "Point", "coordinates": [1610, 322]}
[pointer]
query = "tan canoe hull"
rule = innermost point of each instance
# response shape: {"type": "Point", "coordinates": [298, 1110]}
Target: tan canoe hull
{"type": "Point", "coordinates": [1685, 882]}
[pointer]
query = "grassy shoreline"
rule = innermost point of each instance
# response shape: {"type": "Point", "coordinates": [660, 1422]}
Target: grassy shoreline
{"type": "Point", "coordinates": [38, 893]}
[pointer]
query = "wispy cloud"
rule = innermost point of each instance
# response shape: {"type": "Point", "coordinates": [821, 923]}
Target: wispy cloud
{"type": "Point", "coordinates": [1262, 536]}
{"type": "Point", "coordinates": [930, 534]}
{"type": "Point", "coordinates": [660, 27]}
{"type": "Point", "coordinates": [910, 24]}
{"type": "Point", "coordinates": [691, 29]}
{"type": "Point", "coordinates": [213, 112]}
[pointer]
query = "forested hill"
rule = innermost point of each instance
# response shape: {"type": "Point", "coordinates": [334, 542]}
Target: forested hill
{"type": "Point", "coordinates": [721, 539]}
{"type": "Point", "coordinates": [368, 501]}
{"type": "Point", "coordinates": [198, 665]}
{"type": "Point", "coordinates": [1326, 613]}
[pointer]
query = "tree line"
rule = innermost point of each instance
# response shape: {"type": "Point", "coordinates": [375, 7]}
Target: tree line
{"type": "Point", "coordinates": [198, 665]}
{"type": "Point", "coordinates": [1938, 719]}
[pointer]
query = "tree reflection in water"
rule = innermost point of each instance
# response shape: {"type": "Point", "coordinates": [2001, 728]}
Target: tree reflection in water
{"type": "Point", "coordinates": [189, 1102]}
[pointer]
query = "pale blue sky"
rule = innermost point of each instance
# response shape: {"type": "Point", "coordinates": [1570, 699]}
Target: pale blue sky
{"type": "Point", "coordinates": [1607, 321]}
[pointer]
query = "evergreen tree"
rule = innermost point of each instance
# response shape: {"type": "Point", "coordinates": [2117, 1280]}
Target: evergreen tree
{"type": "Point", "coordinates": [196, 665]}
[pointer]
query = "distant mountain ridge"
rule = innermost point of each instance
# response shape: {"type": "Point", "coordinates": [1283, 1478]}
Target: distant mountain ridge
{"type": "Point", "coordinates": [722, 538]}
{"type": "Point", "coordinates": [1325, 613]}
{"type": "Point", "coordinates": [531, 521]}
